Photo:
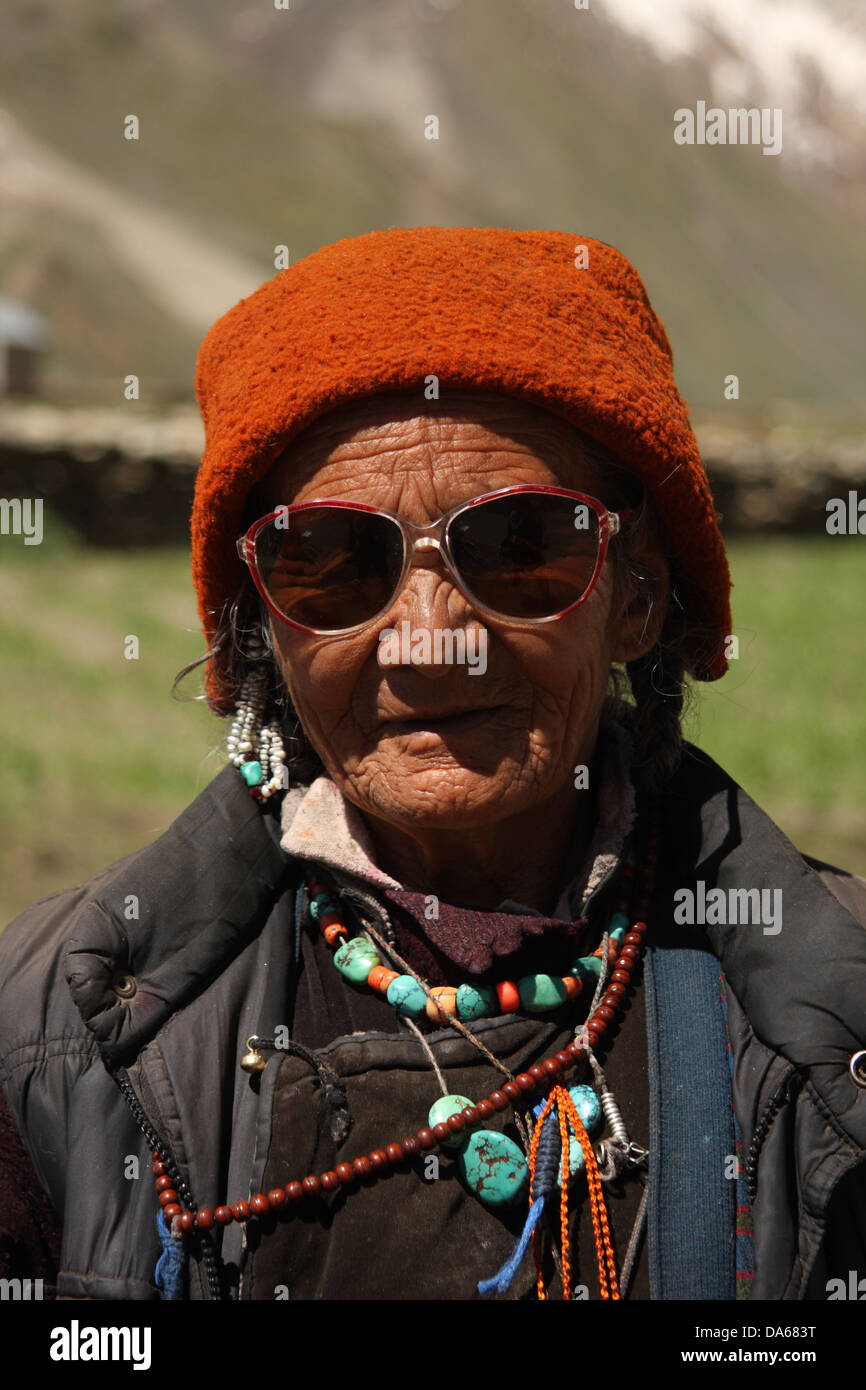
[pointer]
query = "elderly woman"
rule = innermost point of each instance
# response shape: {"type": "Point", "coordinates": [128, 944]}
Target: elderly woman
{"type": "Point", "coordinates": [465, 978]}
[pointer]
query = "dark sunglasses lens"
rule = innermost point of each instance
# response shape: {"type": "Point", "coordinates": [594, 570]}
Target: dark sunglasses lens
{"type": "Point", "coordinates": [330, 567]}
{"type": "Point", "coordinates": [530, 555]}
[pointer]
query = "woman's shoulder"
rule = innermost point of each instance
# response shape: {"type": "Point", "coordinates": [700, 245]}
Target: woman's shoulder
{"type": "Point", "coordinates": [39, 924]}
{"type": "Point", "coordinates": [34, 995]}
{"type": "Point", "coordinates": [848, 889]}
{"type": "Point", "coordinates": [48, 920]}
{"type": "Point", "coordinates": [712, 824]}
{"type": "Point", "coordinates": [189, 895]}
{"type": "Point", "coordinates": [33, 945]}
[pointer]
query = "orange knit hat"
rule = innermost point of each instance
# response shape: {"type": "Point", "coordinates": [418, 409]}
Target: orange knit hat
{"type": "Point", "coordinates": [527, 314]}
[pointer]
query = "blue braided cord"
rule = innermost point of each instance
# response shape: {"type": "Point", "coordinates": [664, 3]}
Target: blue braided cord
{"type": "Point", "coordinates": [547, 1158]}
{"type": "Point", "coordinates": [501, 1282]}
{"type": "Point", "coordinates": [170, 1267]}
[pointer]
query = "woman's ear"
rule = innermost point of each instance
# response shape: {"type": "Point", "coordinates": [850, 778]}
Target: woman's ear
{"type": "Point", "coordinates": [643, 598]}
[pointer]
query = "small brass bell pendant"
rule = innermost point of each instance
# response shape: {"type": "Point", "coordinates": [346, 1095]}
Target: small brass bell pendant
{"type": "Point", "coordinates": [252, 1060]}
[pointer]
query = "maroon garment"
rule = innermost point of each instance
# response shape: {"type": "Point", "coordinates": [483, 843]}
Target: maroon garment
{"type": "Point", "coordinates": [515, 942]}
{"type": "Point", "coordinates": [30, 1233]}
{"type": "Point", "coordinates": [461, 942]}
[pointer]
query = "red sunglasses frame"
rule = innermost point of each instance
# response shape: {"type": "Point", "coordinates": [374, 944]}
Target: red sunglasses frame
{"type": "Point", "coordinates": [432, 536]}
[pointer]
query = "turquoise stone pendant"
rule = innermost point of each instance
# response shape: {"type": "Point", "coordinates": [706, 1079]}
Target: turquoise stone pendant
{"type": "Point", "coordinates": [588, 1107]}
{"type": "Point", "coordinates": [475, 1002]}
{"type": "Point", "coordinates": [407, 997]}
{"type": "Point", "coordinates": [489, 1163]}
{"type": "Point", "coordinates": [587, 970]}
{"type": "Point", "coordinates": [441, 1112]}
{"type": "Point", "coordinates": [252, 773]}
{"type": "Point", "coordinates": [356, 958]}
{"type": "Point", "coordinates": [493, 1168]}
{"type": "Point", "coordinates": [539, 994]}
{"type": "Point", "coordinates": [618, 926]}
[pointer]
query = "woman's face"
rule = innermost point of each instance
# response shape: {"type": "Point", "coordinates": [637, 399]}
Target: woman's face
{"type": "Point", "coordinates": [436, 746]}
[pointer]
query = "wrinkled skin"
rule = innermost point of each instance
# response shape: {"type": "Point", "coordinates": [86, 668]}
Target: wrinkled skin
{"type": "Point", "coordinates": [473, 815]}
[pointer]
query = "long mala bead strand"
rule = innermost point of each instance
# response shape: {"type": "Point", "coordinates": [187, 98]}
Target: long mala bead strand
{"type": "Point", "coordinates": [377, 1163]}
{"type": "Point", "coordinates": [540, 1077]}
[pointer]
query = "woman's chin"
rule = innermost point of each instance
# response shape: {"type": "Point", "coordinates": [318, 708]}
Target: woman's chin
{"type": "Point", "coordinates": [444, 795]}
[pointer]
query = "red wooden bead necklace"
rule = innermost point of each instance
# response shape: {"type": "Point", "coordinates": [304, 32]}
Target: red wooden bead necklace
{"type": "Point", "coordinates": [539, 1078]}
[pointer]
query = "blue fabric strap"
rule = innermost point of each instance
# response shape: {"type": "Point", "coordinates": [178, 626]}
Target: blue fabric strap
{"type": "Point", "coordinates": [171, 1265]}
{"type": "Point", "coordinates": [691, 1210]}
{"type": "Point", "coordinates": [745, 1234]}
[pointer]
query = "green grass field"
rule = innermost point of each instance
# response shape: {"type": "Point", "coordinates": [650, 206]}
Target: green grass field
{"type": "Point", "coordinates": [788, 721]}
{"type": "Point", "coordinates": [98, 758]}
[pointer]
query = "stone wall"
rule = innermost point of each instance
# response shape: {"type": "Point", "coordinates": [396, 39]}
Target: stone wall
{"type": "Point", "coordinates": [120, 477]}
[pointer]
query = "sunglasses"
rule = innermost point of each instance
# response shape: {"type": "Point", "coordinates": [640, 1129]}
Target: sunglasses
{"type": "Point", "coordinates": [523, 554]}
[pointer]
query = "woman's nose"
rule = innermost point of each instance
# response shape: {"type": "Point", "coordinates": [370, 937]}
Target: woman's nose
{"type": "Point", "coordinates": [428, 609]}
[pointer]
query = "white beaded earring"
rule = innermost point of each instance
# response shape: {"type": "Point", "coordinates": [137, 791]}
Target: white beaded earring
{"type": "Point", "coordinates": [256, 748]}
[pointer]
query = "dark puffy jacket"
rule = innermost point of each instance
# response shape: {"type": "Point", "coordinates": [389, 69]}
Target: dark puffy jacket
{"type": "Point", "coordinates": [159, 968]}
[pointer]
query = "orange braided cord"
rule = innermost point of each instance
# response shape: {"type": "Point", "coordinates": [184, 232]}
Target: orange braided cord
{"type": "Point", "coordinates": [607, 1280]}
{"type": "Point", "coordinates": [565, 1259]}
{"type": "Point", "coordinates": [533, 1153]}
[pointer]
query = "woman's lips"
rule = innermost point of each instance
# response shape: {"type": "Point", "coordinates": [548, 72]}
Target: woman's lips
{"type": "Point", "coordinates": [440, 724]}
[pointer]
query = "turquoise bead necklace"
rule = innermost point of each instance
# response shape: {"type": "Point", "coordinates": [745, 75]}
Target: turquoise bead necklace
{"type": "Point", "coordinates": [491, 1165]}
{"type": "Point", "coordinates": [359, 960]}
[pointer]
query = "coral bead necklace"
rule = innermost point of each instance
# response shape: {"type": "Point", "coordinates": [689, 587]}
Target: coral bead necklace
{"type": "Point", "coordinates": [359, 960]}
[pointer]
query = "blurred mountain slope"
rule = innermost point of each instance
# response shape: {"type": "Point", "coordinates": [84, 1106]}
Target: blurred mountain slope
{"type": "Point", "coordinates": [261, 127]}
